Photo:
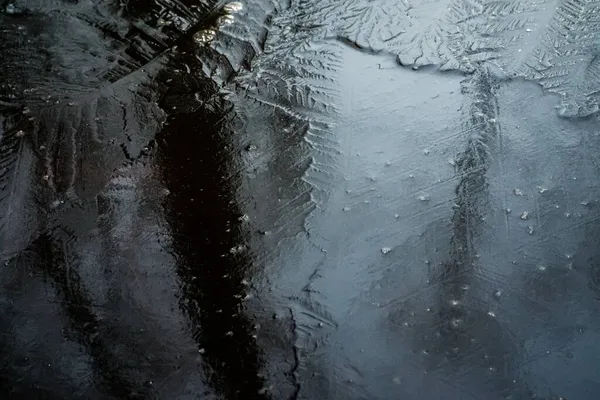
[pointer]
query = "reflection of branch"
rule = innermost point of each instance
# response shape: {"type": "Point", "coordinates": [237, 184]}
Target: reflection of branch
{"type": "Point", "coordinates": [206, 20]}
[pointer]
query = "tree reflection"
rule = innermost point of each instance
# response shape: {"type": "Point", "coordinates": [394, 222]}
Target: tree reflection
{"type": "Point", "coordinates": [466, 334]}
{"type": "Point", "coordinates": [196, 157]}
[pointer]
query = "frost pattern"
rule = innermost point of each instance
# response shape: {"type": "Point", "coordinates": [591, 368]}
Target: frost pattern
{"type": "Point", "coordinates": [92, 106]}
{"type": "Point", "coordinates": [553, 42]}
{"type": "Point", "coordinates": [294, 78]}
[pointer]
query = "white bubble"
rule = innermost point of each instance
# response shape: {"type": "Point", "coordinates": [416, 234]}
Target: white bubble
{"type": "Point", "coordinates": [226, 20]}
{"type": "Point", "coordinates": [205, 36]}
{"type": "Point", "coordinates": [233, 6]}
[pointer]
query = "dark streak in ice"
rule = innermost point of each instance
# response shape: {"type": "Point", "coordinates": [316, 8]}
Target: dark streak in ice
{"type": "Point", "coordinates": [212, 255]}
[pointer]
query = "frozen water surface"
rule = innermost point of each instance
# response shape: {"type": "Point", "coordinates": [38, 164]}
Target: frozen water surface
{"type": "Point", "coordinates": [339, 199]}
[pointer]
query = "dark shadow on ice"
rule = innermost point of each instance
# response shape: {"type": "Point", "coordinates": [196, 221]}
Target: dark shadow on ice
{"type": "Point", "coordinates": [197, 157]}
{"type": "Point", "coordinates": [463, 336]}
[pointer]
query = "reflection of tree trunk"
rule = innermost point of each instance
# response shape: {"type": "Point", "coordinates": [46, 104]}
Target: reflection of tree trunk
{"type": "Point", "coordinates": [465, 335]}
{"type": "Point", "coordinates": [471, 191]}
{"type": "Point", "coordinates": [196, 162]}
